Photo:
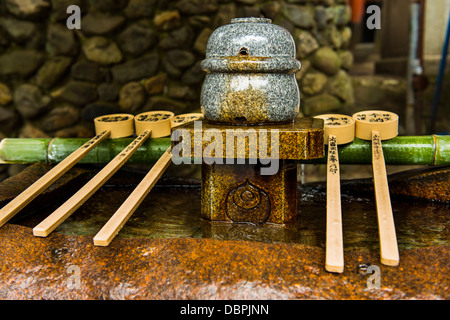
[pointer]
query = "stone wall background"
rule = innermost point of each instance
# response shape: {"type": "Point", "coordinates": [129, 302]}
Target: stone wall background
{"type": "Point", "coordinates": [139, 55]}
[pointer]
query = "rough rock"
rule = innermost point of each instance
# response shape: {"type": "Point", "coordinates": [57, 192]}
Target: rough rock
{"type": "Point", "coordinates": [195, 7]}
{"type": "Point", "coordinates": [179, 38]}
{"type": "Point", "coordinates": [137, 38]}
{"type": "Point", "coordinates": [313, 83]}
{"type": "Point", "coordinates": [326, 60]}
{"type": "Point", "coordinates": [86, 70]}
{"type": "Point", "coordinates": [60, 117]}
{"type": "Point", "coordinates": [18, 30]}
{"type": "Point", "coordinates": [140, 9]}
{"type": "Point", "coordinates": [51, 71]}
{"type": "Point", "coordinates": [20, 62]}
{"type": "Point", "coordinates": [76, 92]}
{"type": "Point", "coordinates": [61, 41]}
{"type": "Point", "coordinates": [167, 20]}
{"type": "Point", "coordinates": [300, 16]}
{"type": "Point", "coordinates": [27, 8]}
{"type": "Point", "coordinates": [9, 120]}
{"type": "Point", "coordinates": [131, 97]}
{"type": "Point", "coordinates": [143, 67]}
{"type": "Point", "coordinates": [97, 109]}
{"type": "Point", "coordinates": [156, 83]}
{"type": "Point", "coordinates": [5, 94]}
{"type": "Point", "coordinates": [305, 43]}
{"type": "Point", "coordinates": [180, 58]}
{"type": "Point", "coordinates": [97, 23]}
{"type": "Point", "coordinates": [30, 101]}
{"type": "Point", "coordinates": [102, 50]}
{"type": "Point", "coordinates": [341, 86]}
{"type": "Point", "coordinates": [320, 104]}
{"type": "Point", "coordinates": [108, 91]}
{"type": "Point", "coordinates": [30, 131]}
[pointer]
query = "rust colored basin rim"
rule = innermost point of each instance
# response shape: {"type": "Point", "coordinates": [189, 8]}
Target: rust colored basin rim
{"type": "Point", "coordinates": [71, 267]}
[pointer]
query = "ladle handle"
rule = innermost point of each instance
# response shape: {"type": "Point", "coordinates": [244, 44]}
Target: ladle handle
{"type": "Point", "coordinates": [386, 228]}
{"type": "Point", "coordinates": [121, 216]}
{"type": "Point", "coordinates": [334, 256]}
{"type": "Point", "coordinates": [66, 209]}
{"type": "Point", "coordinates": [19, 202]}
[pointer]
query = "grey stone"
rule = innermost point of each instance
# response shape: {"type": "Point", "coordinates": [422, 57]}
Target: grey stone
{"type": "Point", "coordinates": [320, 104]}
{"type": "Point", "coordinates": [86, 70]}
{"type": "Point", "coordinates": [179, 38]}
{"type": "Point", "coordinates": [180, 91]}
{"type": "Point", "coordinates": [97, 109]}
{"type": "Point", "coordinates": [313, 83]}
{"type": "Point", "coordinates": [140, 9]}
{"type": "Point", "coordinates": [61, 41]}
{"type": "Point", "coordinates": [143, 67]}
{"type": "Point", "coordinates": [18, 30]}
{"type": "Point", "coordinates": [97, 23]}
{"type": "Point", "coordinates": [305, 43]}
{"type": "Point", "coordinates": [180, 58]}
{"type": "Point", "coordinates": [27, 8]}
{"type": "Point", "coordinates": [322, 16]}
{"type": "Point", "coordinates": [76, 92]}
{"type": "Point", "coordinates": [326, 60]}
{"type": "Point", "coordinates": [277, 100]}
{"type": "Point", "coordinates": [52, 70]}
{"type": "Point", "coordinates": [300, 16]}
{"type": "Point", "coordinates": [193, 75]}
{"type": "Point", "coordinates": [101, 50]}
{"type": "Point", "coordinates": [341, 14]}
{"type": "Point", "coordinates": [20, 62]}
{"type": "Point", "coordinates": [195, 7]}
{"type": "Point", "coordinates": [341, 86]}
{"type": "Point", "coordinates": [5, 94]}
{"type": "Point", "coordinates": [136, 39]}
{"type": "Point", "coordinates": [172, 71]}
{"type": "Point", "coordinates": [108, 92]}
{"type": "Point", "coordinates": [131, 97]}
{"type": "Point", "coordinates": [9, 120]}
{"type": "Point", "coordinates": [346, 57]}
{"type": "Point", "coordinates": [333, 36]}
{"type": "Point", "coordinates": [30, 101]}
{"type": "Point", "coordinates": [61, 117]}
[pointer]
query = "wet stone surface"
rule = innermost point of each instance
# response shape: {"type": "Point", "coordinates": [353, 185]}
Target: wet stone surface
{"type": "Point", "coordinates": [166, 251]}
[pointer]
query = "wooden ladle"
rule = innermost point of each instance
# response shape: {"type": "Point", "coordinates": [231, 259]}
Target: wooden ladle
{"type": "Point", "coordinates": [338, 129]}
{"type": "Point", "coordinates": [112, 126]}
{"type": "Point", "coordinates": [153, 128]}
{"type": "Point", "coordinates": [121, 216]}
{"type": "Point", "coordinates": [376, 125]}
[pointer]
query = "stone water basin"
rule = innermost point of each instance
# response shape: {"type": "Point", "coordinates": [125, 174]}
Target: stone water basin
{"type": "Point", "coordinates": [166, 251]}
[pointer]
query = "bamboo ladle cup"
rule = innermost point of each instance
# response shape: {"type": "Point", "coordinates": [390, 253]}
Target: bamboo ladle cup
{"type": "Point", "coordinates": [112, 126]}
{"type": "Point", "coordinates": [121, 216]}
{"type": "Point", "coordinates": [376, 125]}
{"type": "Point", "coordinates": [154, 126]}
{"type": "Point", "coordinates": [338, 129]}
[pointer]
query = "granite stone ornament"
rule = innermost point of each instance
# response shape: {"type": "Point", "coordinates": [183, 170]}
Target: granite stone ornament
{"type": "Point", "coordinates": [250, 70]}
{"type": "Point", "coordinates": [251, 138]}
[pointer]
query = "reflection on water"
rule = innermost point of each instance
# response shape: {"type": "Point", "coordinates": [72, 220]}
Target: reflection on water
{"type": "Point", "coordinates": [175, 212]}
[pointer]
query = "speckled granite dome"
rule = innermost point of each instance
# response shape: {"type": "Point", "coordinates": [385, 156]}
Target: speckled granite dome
{"type": "Point", "coordinates": [250, 65]}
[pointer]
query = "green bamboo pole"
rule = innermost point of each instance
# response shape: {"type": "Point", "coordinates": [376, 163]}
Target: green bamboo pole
{"type": "Point", "coordinates": [402, 150]}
